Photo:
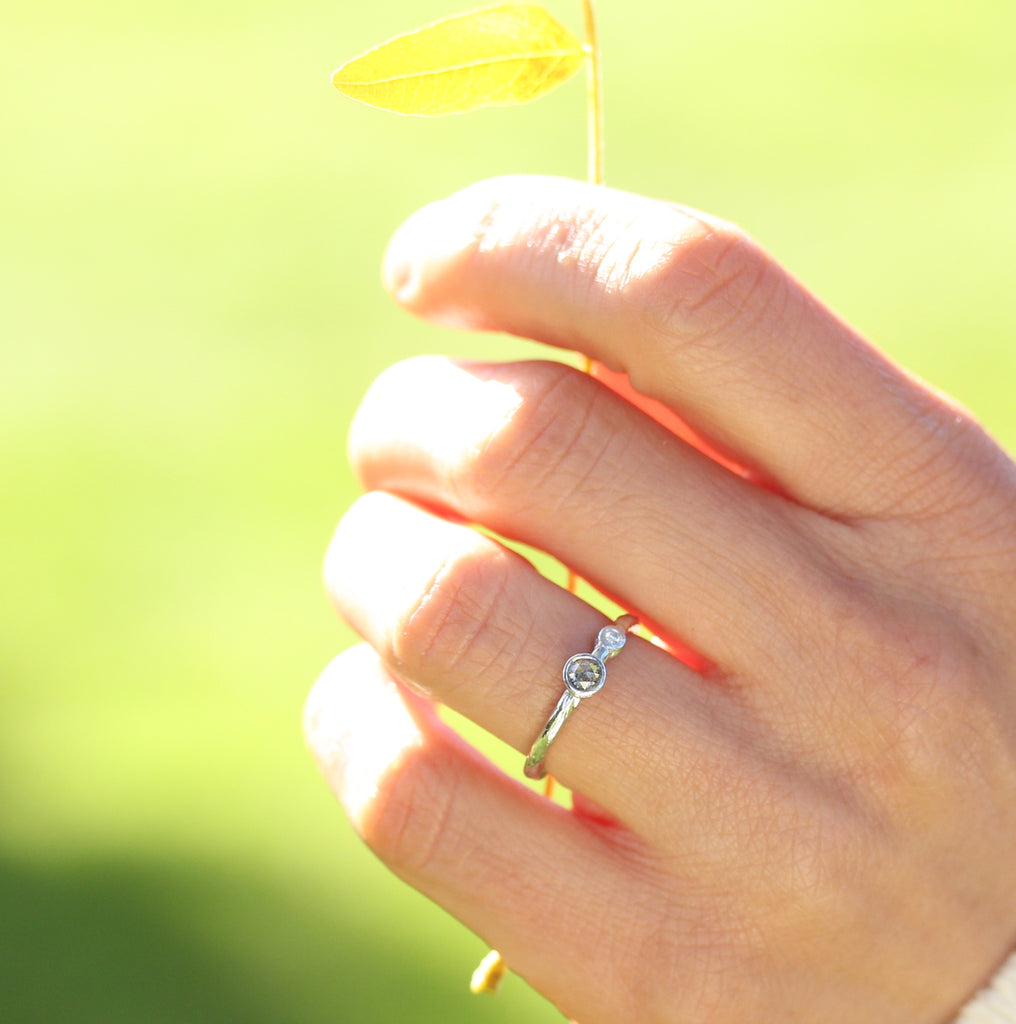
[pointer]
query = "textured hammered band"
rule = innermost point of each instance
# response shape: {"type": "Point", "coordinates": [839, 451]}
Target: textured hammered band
{"type": "Point", "coordinates": [584, 675]}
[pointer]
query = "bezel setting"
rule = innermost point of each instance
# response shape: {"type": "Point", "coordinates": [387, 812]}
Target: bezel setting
{"type": "Point", "coordinates": [584, 674]}
{"type": "Point", "coordinates": [612, 638]}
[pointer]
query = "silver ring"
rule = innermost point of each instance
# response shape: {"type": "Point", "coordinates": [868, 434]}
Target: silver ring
{"type": "Point", "coordinates": [584, 675]}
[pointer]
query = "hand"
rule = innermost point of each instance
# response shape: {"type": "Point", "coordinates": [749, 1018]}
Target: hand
{"type": "Point", "coordinates": [801, 804]}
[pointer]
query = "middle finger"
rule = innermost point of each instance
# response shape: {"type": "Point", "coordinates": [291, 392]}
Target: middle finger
{"type": "Point", "coordinates": [543, 454]}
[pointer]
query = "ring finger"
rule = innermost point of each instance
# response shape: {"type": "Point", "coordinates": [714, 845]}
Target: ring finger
{"type": "Point", "coordinates": [472, 625]}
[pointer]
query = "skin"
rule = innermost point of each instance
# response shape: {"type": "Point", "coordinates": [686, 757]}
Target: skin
{"type": "Point", "coordinates": [800, 804]}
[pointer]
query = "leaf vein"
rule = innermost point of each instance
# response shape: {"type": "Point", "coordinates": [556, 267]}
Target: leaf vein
{"type": "Point", "coordinates": [542, 56]}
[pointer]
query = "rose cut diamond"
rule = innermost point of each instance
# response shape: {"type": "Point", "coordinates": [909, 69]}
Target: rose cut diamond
{"type": "Point", "coordinates": [584, 674]}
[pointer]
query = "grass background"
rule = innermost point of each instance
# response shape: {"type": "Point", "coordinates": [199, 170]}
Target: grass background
{"type": "Point", "coordinates": [192, 221]}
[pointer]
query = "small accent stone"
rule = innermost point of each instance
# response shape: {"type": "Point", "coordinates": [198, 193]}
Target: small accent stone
{"type": "Point", "coordinates": [612, 637]}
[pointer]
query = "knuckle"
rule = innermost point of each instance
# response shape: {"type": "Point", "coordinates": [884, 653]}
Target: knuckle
{"type": "Point", "coordinates": [412, 822]}
{"type": "Point", "coordinates": [542, 451]}
{"type": "Point", "coordinates": [918, 667]}
{"type": "Point", "coordinates": [947, 468]}
{"type": "Point", "coordinates": [449, 628]}
{"type": "Point", "coordinates": [936, 699]}
{"type": "Point", "coordinates": [713, 279]}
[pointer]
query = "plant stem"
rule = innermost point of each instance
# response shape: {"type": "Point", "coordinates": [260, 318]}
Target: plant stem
{"type": "Point", "coordinates": [487, 977]}
{"type": "Point", "coordinates": [594, 116]}
{"type": "Point", "coordinates": [594, 113]}
{"type": "Point", "coordinates": [594, 94]}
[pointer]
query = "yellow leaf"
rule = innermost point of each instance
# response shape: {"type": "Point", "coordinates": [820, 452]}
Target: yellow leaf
{"type": "Point", "coordinates": [495, 57]}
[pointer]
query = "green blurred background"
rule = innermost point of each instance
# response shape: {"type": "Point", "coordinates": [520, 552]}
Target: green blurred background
{"type": "Point", "coordinates": [192, 222]}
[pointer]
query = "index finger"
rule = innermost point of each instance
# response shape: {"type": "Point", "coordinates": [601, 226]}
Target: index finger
{"type": "Point", "coordinates": [698, 316]}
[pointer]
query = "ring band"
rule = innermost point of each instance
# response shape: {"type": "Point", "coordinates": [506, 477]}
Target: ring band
{"type": "Point", "coordinates": [584, 675]}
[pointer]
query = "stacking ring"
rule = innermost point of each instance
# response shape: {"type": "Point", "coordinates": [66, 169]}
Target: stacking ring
{"type": "Point", "coordinates": [584, 675]}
